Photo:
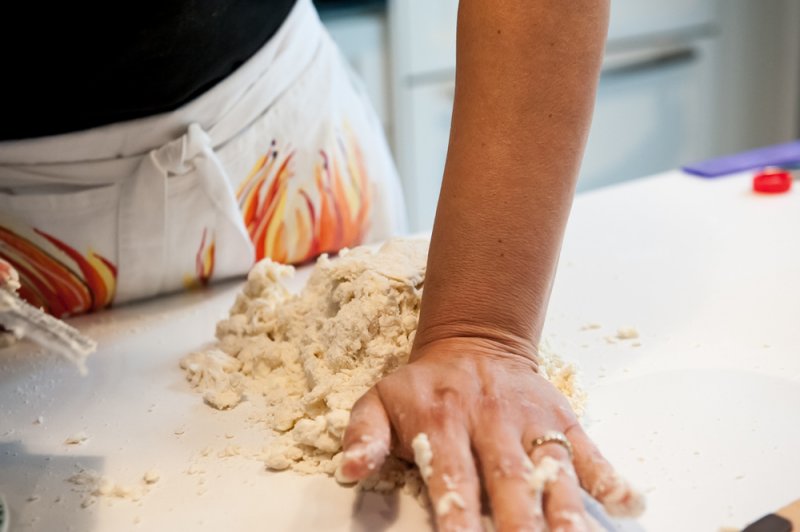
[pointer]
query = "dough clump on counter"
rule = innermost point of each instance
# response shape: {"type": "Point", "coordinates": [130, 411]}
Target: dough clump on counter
{"type": "Point", "coordinates": [303, 360]}
{"type": "Point", "coordinates": [93, 485]}
{"type": "Point", "coordinates": [151, 476]}
{"type": "Point", "coordinates": [627, 333]}
{"type": "Point", "coordinates": [76, 439]}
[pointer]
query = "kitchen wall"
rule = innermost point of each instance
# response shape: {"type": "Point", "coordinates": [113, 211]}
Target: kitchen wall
{"type": "Point", "coordinates": [683, 80]}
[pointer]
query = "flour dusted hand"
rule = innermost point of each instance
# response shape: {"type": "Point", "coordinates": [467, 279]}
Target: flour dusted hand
{"type": "Point", "coordinates": [466, 411]}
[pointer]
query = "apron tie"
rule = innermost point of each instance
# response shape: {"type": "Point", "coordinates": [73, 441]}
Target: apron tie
{"type": "Point", "coordinates": [142, 253]}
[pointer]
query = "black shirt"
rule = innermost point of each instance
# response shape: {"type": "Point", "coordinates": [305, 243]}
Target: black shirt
{"type": "Point", "coordinates": [69, 66]}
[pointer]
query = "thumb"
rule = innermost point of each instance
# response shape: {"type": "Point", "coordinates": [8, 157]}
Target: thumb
{"type": "Point", "coordinates": [366, 440]}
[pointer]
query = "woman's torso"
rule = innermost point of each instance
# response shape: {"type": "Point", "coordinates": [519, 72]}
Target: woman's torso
{"type": "Point", "coordinates": [74, 66]}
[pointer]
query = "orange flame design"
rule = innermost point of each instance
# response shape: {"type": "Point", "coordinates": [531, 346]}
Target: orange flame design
{"type": "Point", "coordinates": [295, 225]}
{"type": "Point", "coordinates": [49, 283]}
{"type": "Point", "coordinates": [204, 264]}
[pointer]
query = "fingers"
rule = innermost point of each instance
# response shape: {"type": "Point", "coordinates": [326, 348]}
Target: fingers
{"type": "Point", "coordinates": [447, 466]}
{"type": "Point", "coordinates": [553, 472]}
{"type": "Point", "coordinates": [366, 440]}
{"type": "Point", "coordinates": [507, 475]}
{"type": "Point", "coordinates": [601, 481]}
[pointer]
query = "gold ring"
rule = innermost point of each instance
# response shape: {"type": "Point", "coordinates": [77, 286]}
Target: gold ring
{"type": "Point", "coordinates": [553, 436]}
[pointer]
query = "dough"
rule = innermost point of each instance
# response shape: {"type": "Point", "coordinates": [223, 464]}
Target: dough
{"type": "Point", "coordinates": [423, 455]}
{"type": "Point", "coordinates": [627, 333]}
{"type": "Point", "coordinates": [76, 439]}
{"type": "Point", "coordinates": [151, 476]}
{"type": "Point", "coordinates": [546, 472]}
{"type": "Point", "coordinates": [304, 359]}
{"type": "Point", "coordinates": [94, 485]}
{"type": "Point", "coordinates": [448, 501]}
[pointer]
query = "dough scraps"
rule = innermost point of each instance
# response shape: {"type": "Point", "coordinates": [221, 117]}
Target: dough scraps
{"type": "Point", "coordinates": [93, 485]}
{"type": "Point", "coordinates": [302, 360]}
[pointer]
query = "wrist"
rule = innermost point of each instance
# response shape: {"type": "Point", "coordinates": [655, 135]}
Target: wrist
{"type": "Point", "coordinates": [481, 338]}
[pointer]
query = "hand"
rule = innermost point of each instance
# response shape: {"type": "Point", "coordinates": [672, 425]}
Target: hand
{"type": "Point", "coordinates": [481, 407]}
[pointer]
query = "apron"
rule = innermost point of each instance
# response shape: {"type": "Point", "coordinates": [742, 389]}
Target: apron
{"type": "Point", "coordinates": [283, 159]}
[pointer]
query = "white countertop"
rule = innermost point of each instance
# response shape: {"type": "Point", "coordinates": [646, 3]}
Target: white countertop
{"type": "Point", "coordinates": [702, 416]}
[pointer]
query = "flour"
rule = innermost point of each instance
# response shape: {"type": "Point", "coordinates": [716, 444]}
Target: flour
{"type": "Point", "coordinates": [151, 477]}
{"type": "Point", "coordinates": [617, 496]}
{"type": "Point", "coordinates": [423, 455]}
{"type": "Point", "coordinates": [448, 501]}
{"type": "Point", "coordinates": [451, 498]}
{"type": "Point", "coordinates": [94, 485]}
{"type": "Point", "coordinates": [544, 473]}
{"type": "Point", "coordinates": [302, 360]}
{"type": "Point", "coordinates": [571, 521]}
{"type": "Point", "coordinates": [76, 439]}
{"type": "Point", "coordinates": [25, 320]}
{"type": "Point", "coordinates": [230, 451]}
{"type": "Point", "coordinates": [627, 333]}
{"type": "Point", "coordinates": [564, 376]}
{"type": "Point", "coordinates": [369, 449]}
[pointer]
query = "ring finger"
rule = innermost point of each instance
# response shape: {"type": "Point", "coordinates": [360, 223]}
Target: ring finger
{"type": "Point", "coordinates": [555, 475]}
{"type": "Point", "coordinates": [506, 474]}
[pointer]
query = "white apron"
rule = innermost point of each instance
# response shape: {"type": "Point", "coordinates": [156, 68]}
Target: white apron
{"type": "Point", "coordinates": [283, 159]}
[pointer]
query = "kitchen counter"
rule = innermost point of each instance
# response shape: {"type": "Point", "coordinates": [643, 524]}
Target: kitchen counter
{"type": "Point", "coordinates": [700, 411]}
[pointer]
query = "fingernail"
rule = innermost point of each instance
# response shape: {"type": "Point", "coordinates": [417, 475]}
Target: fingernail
{"type": "Point", "coordinates": [359, 460]}
{"type": "Point", "coordinates": [342, 477]}
{"type": "Point", "coordinates": [622, 500]}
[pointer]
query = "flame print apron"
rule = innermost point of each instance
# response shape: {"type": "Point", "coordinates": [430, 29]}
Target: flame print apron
{"type": "Point", "coordinates": [283, 159]}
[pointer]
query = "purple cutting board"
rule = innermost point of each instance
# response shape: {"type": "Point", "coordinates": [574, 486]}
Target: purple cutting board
{"type": "Point", "coordinates": [779, 155]}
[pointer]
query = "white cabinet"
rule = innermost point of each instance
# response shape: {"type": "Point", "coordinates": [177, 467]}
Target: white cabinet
{"type": "Point", "coordinates": [652, 113]}
{"type": "Point", "coordinates": [362, 38]}
{"type": "Point", "coordinates": [653, 109]}
{"type": "Point", "coordinates": [423, 40]}
{"type": "Point", "coordinates": [683, 80]}
{"type": "Point", "coordinates": [431, 106]}
{"type": "Point", "coordinates": [645, 18]}
{"type": "Point", "coordinates": [426, 36]}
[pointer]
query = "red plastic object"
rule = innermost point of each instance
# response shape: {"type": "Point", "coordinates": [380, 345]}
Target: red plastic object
{"type": "Point", "coordinates": [772, 181]}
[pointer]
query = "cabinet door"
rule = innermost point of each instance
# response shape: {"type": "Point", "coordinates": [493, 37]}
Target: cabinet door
{"type": "Point", "coordinates": [431, 108]}
{"type": "Point", "coordinates": [428, 28]}
{"type": "Point", "coordinates": [640, 18]}
{"type": "Point", "coordinates": [652, 116]}
{"type": "Point", "coordinates": [361, 37]}
{"type": "Point", "coordinates": [425, 35]}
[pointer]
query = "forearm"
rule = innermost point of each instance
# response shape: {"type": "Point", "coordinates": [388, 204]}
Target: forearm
{"type": "Point", "coordinates": [525, 84]}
